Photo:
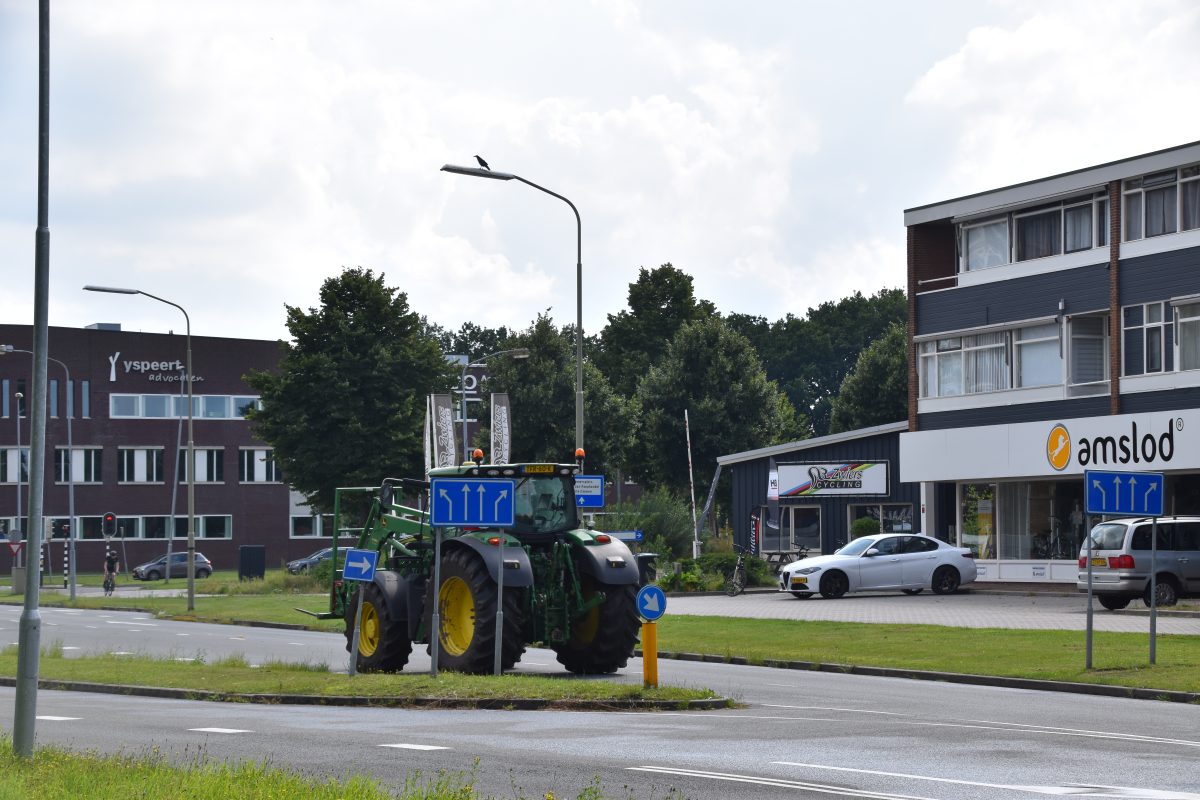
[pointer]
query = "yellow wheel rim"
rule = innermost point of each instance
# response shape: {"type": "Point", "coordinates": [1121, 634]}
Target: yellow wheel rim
{"type": "Point", "coordinates": [368, 630]}
{"type": "Point", "coordinates": [456, 605]}
{"type": "Point", "coordinates": [587, 625]}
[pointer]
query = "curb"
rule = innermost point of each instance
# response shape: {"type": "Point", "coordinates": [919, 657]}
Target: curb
{"type": "Point", "coordinates": [454, 703]}
{"type": "Point", "coordinates": [1104, 690]}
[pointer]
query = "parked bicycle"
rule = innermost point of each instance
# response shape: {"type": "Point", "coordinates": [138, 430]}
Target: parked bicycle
{"type": "Point", "coordinates": [737, 581]}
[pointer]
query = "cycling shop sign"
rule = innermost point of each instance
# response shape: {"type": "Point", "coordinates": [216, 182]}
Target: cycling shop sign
{"type": "Point", "coordinates": [837, 478]}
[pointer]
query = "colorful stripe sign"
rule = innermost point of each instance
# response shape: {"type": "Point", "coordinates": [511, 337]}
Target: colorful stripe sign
{"type": "Point", "coordinates": [816, 480]}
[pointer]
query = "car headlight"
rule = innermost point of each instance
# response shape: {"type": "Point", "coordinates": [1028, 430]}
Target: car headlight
{"type": "Point", "coordinates": [808, 570]}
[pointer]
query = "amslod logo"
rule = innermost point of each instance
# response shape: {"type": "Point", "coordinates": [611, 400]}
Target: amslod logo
{"type": "Point", "coordinates": [1133, 447]}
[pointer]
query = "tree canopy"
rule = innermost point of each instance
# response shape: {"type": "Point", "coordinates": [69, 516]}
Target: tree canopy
{"type": "Point", "coordinates": [876, 391]}
{"type": "Point", "coordinates": [347, 406]}
{"type": "Point", "coordinates": [713, 373]}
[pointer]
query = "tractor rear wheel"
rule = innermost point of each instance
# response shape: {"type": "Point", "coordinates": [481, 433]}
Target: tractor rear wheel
{"type": "Point", "coordinates": [602, 640]}
{"type": "Point", "coordinates": [467, 609]}
{"type": "Point", "coordinates": [383, 643]}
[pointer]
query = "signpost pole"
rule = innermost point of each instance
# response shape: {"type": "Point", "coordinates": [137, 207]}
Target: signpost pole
{"type": "Point", "coordinates": [500, 608]}
{"type": "Point", "coordinates": [1087, 531]}
{"type": "Point", "coordinates": [435, 643]}
{"type": "Point", "coordinates": [650, 655]}
{"type": "Point", "coordinates": [353, 668]}
{"type": "Point", "coordinates": [1153, 585]}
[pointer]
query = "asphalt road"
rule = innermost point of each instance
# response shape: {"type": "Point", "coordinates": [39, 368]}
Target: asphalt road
{"type": "Point", "coordinates": [800, 734]}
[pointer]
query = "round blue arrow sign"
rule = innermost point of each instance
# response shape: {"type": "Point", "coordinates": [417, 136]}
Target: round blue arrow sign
{"type": "Point", "coordinates": [651, 603]}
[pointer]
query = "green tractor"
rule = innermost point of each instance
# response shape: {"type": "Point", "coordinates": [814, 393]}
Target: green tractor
{"type": "Point", "coordinates": [564, 586]}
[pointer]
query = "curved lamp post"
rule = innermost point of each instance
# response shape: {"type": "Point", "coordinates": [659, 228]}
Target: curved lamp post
{"type": "Point", "coordinates": [191, 457]}
{"type": "Point", "coordinates": [517, 352]}
{"type": "Point", "coordinates": [508, 176]}
{"type": "Point", "coordinates": [8, 348]}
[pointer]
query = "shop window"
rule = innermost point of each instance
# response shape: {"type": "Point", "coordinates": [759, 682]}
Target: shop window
{"type": "Point", "coordinates": [978, 526]}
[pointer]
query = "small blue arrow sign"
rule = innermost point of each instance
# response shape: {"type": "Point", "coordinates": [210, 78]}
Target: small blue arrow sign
{"type": "Point", "coordinates": [1133, 493]}
{"type": "Point", "coordinates": [589, 491]}
{"type": "Point", "coordinates": [476, 502]}
{"type": "Point", "coordinates": [360, 565]}
{"type": "Point", "coordinates": [651, 603]}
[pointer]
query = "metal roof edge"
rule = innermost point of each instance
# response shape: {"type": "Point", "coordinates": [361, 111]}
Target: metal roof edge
{"type": "Point", "coordinates": [808, 444]}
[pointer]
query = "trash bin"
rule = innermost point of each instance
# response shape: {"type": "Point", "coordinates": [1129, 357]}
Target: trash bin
{"type": "Point", "coordinates": [647, 571]}
{"type": "Point", "coordinates": [252, 561]}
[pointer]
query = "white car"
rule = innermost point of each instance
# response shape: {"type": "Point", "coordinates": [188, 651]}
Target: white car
{"type": "Point", "coordinates": [882, 562]}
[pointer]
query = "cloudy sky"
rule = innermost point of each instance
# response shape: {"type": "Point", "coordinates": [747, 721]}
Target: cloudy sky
{"type": "Point", "coordinates": [230, 156]}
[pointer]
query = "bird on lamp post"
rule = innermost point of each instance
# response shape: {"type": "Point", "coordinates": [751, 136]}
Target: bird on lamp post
{"type": "Point", "coordinates": [482, 163]}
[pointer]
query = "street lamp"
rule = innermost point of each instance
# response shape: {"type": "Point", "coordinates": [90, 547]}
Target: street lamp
{"type": "Point", "coordinates": [191, 457]}
{"type": "Point", "coordinates": [8, 348]}
{"type": "Point", "coordinates": [508, 176]}
{"type": "Point", "coordinates": [518, 352]}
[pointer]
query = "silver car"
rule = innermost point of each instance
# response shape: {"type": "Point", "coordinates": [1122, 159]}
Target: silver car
{"type": "Point", "coordinates": [882, 562]}
{"type": "Point", "coordinates": [1121, 558]}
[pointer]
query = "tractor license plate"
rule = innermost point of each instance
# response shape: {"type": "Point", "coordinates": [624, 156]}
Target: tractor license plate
{"type": "Point", "coordinates": [539, 468]}
{"type": "Point", "coordinates": [799, 580]}
{"type": "Point", "coordinates": [1099, 562]}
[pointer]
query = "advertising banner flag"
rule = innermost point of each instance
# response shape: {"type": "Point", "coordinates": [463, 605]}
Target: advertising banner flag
{"type": "Point", "coordinates": [429, 463]}
{"type": "Point", "coordinates": [501, 429]}
{"type": "Point", "coordinates": [445, 449]}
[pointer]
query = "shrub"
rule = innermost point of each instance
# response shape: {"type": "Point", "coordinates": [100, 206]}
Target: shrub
{"type": "Point", "coordinates": [863, 526]}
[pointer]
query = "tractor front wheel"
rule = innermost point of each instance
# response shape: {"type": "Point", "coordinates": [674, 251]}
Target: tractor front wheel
{"type": "Point", "coordinates": [466, 606]}
{"type": "Point", "coordinates": [602, 640]}
{"type": "Point", "coordinates": [383, 643]}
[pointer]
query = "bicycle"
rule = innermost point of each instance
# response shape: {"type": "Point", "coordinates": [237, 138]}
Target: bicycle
{"type": "Point", "coordinates": [737, 581]}
{"type": "Point", "coordinates": [110, 583]}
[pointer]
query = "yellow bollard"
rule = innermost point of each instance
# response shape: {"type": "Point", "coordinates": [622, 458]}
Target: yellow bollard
{"type": "Point", "coordinates": [650, 655]}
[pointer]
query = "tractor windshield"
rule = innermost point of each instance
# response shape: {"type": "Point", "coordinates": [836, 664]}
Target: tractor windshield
{"type": "Point", "coordinates": [544, 505]}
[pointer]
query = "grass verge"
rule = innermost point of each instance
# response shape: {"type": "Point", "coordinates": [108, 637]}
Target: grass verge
{"type": "Point", "coordinates": [235, 676]}
{"type": "Point", "coordinates": [1119, 659]}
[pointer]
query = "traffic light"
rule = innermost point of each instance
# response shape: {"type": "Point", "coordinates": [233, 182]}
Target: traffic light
{"type": "Point", "coordinates": [109, 527]}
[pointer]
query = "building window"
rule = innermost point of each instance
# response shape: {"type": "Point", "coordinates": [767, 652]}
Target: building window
{"type": "Point", "coordinates": [1089, 349]}
{"type": "Point", "coordinates": [892, 517]}
{"type": "Point", "coordinates": [1162, 203]}
{"type": "Point", "coordinates": [140, 465]}
{"type": "Point", "coordinates": [1147, 339]}
{"type": "Point", "coordinates": [23, 400]}
{"type": "Point", "coordinates": [985, 245]}
{"type": "Point", "coordinates": [170, 406]}
{"type": "Point", "coordinates": [1038, 358]}
{"type": "Point", "coordinates": [214, 527]}
{"type": "Point", "coordinates": [83, 466]}
{"type": "Point", "coordinates": [1189, 335]}
{"type": "Point", "coordinates": [85, 399]}
{"type": "Point", "coordinates": [258, 466]}
{"type": "Point", "coordinates": [9, 459]}
{"type": "Point", "coordinates": [210, 465]}
{"type": "Point", "coordinates": [1039, 234]}
{"type": "Point", "coordinates": [304, 527]}
{"type": "Point", "coordinates": [4, 398]}
{"type": "Point", "coordinates": [53, 390]}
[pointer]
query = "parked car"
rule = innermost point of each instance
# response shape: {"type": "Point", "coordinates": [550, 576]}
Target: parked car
{"type": "Point", "coordinates": [157, 569]}
{"type": "Point", "coordinates": [309, 562]}
{"type": "Point", "coordinates": [881, 562]}
{"type": "Point", "coordinates": [1121, 557]}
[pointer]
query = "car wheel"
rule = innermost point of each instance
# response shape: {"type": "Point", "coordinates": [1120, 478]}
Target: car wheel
{"type": "Point", "coordinates": [1112, 602]}
{"type": "Point", "coordinates": [913, 591]}
{"type": "Point", "coordinates": [203, 573]}
{"type": "Point", "coordinates": [946, 580]}
{"type": "Point", "coordinates": [1167, 591]}
{"type": "Point", "coordinates": [153, 576]}
{"type": "Point", "coordinates": [801, 595]}
{"type": "Point", "coordinates": [834, 585]}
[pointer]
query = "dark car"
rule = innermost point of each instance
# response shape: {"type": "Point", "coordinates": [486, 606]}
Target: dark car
{"type": "Point", "coordinates": [157, 569]}
{"type": "Point", "coordinates": [301, 565]}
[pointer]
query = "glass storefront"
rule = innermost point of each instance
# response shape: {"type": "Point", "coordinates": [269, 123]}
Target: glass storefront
{"type": "Point", "coordinates": [1022, 520]}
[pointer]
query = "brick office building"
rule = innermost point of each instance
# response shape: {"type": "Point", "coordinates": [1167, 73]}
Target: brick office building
{"type": "Point", "coordinates": [129, 435]}
{"type": "Point", "coordinates": [1054, 327]}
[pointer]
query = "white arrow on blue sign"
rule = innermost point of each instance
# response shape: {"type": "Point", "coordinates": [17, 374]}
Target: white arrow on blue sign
{"type": "Point", "coordinates": [360, 565]}
{"type": "Point", "coordinates": [651, 603]}
{"type": "Point", "coordinates": [1134, 493]}
{"type": "Point", "coordinates": [478, 502]}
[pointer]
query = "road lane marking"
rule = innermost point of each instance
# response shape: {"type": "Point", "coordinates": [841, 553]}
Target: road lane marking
{"type": "Point", "coordinates": [49, 718]}
{"type": "Point", "coordinates": [130, 622]}
{"type": "Point", "coordinates": [120, 653]}
{"type": "Point", "coordinates": [70, 648]}
{"type": "Point", "coordinates": [782, 783]}
{"type": "Point", "coordinates": [1074, 790]}
{"type": "Point", "coordinates": [183, 634]}
{"type": "Point", "coordinates": [219, 730]}
{"type": "Point", "coordinates": [402, 746]}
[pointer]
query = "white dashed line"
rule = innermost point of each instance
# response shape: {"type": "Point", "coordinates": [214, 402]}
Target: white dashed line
{"type": "Point", "coordinates": [48, 718]}
{"type": "Point", "coordinates": [219, 730]}
{"type": "Point", "coordinates": [70, 648]}
{"type": "Point", "coordinates": [415, 746]}
{"type": "Point", "coordinates": [120, 653]}
{"type": "Point", "coordinates": [130, 622]}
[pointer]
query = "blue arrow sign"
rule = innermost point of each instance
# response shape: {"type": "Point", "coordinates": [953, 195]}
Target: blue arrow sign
{"type": "Point", "coordinates": [651, 603]}
{"type": "Point", "coordinates": [589, 491]}
{"type": "Point", "coordinates": [477, 502]}
{"type": "Point", "coordinates": [360, 565]}
{"type": "Point", "coordinates": [628, 536]}
{"type": "Point", "coordinates": [1133, 493]}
